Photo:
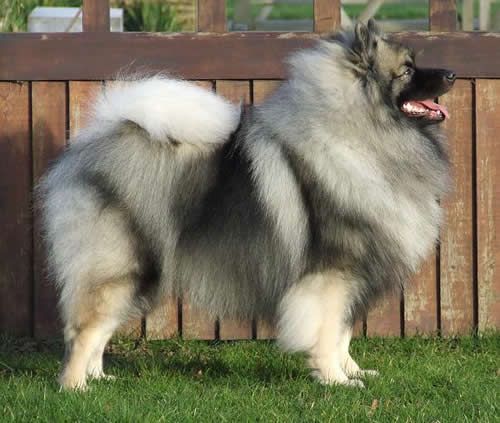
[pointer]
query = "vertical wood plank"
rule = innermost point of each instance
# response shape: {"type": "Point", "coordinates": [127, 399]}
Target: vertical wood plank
{"type": "Point", "coordinates": [211, 16]}
{"type": "Point", "coordinates": [163, 321]}
{"type": "Point", "coordinates": [95, 15]}
{"type": "Point", "coordinates": [457, 249]}
{"type": "Point", "coordinates": [421, 301]}
{"type": "Point", "coordinates": [442, 15]}
{"type": "Point", "coordinates": [488, 202]}
{"type": "Point", "coordinates": [197, 323]}
{"type": "Point", "coordinates": [261, 90]}
{"type": "Point", "coordinates": [16, 271]}
{"type": "Point", "coordinates": [49, 139]}
{"type": "Point", "coordinates": [385, 318]}
{"type": "Point", "coordinates": [81, 96]}
{"type": "Point", "coordinates": [326, 15]}
{"type": "Point", "coordinates": [235, 91]}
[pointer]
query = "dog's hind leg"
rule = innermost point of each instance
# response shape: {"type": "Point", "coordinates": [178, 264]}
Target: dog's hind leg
{"type": "Point", "coordinates": [90, 324]}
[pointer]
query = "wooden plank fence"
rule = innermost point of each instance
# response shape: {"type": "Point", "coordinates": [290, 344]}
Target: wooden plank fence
{"type": "Point", "coordinates": [48, 80]}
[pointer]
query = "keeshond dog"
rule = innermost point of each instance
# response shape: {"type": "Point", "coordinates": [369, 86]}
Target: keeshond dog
{"type": "Point", "coordinates": [302, 210]}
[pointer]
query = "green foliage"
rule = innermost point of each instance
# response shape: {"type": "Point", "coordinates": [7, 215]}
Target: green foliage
{"type": "Point", "coordinates": [150, 16]}
{"type": "Point", "coordinates": [146, 15]}
{"type": "Point", "coordinates": [422, 380]}
{"type": "Point", "coordinates": [14, 13]}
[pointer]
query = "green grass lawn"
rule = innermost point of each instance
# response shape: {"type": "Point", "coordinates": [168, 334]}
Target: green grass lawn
{"type": "Point", "coordinates": [422, 380]}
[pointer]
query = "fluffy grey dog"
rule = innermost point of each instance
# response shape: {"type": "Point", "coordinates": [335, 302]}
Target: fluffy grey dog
{"type": "Point", "coordinates": [302, 210]}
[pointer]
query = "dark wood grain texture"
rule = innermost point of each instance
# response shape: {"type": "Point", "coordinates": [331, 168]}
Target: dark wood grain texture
{"type": "Point", "coordinates": [82, 94]}
{"type": "Point", "coordinates": [95, 15]}
{"type": "Point", "coordinates": [99, 56]}
{"type": "Point", "coordinates": [421, 301]}
{"type": "Point", "coordinates": [385, 318]}
{"type": "Point", "coordinates": [211, 16]}
{"type": "Point", "coordinates": [16, 270]}
{"type": "Point", "coordinates": [49, 105]}
{"type": "Point", "coordinates": [442, 15]}
{"type": "Point", "coordinates": [457, 238]}
{"type": "Point", "coordinates": [326, 15]}
{"type": "Point", "coordinates": [488, 202]}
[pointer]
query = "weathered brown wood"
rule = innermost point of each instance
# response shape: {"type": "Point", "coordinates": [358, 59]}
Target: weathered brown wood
{"type": "Point", "coordinates": [16, 270]}
{"type": "Point", "coordinates": [421, 301]}
{"type": "Point", "coordinates": [456, 252]}
{"type": "Point", "coordinates": [211, 16]}
{"type": "Point", "coordinates": [385, 318]}
{"type": "Point", "coordinates": [163, 322]}
{"type": "Point", "coordinates": [81, 96]}
{"type": "Point", "coordinates": [488, 202]}
{"type": "Point", "coordinates": [357, 330]}
{"type": "Point", "coordinates": [197, 323]}
{"type": "Point", "coordinates": [48, 109]}
{"type": "Point", "coordinates": [95, 15]}
{"type": "Point", "coordinates": [326, 15]}
{"type": "Point", "coordinates": [99, 56]}
{"type": "Point", "coordinates": [235, 91]}
{"type": "Point", "coordinates": [442, 15]}
{"type": "Point", "coordinates": [261, 90]}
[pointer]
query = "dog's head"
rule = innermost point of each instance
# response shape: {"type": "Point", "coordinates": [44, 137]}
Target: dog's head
{"type": "Point", "coordinates": [390, 73]}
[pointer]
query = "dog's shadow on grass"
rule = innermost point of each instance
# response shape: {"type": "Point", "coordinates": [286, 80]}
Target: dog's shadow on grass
{"type": "Point", "coordinates": [197, 361]}
{"type": "Point", "coordinates": [207, 363]}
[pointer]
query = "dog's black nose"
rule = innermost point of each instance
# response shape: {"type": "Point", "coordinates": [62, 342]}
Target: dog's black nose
{"type": "Point", "coordinates": [450, 77]}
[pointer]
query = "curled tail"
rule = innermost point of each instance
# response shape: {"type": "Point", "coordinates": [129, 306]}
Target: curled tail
{"type": "Point", "coordinates": [169, 110]}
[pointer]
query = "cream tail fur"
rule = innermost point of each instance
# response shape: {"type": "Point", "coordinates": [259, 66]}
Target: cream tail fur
{"type": "Point", "coordinates": [169, 110]}
{"type": "Point", "coordinates": [313, 318]}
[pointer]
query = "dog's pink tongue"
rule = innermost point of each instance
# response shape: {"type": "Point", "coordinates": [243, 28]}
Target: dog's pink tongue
{"type": "Point", "coordinates": [434, 106]}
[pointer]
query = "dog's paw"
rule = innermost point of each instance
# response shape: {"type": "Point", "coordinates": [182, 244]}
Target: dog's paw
{"type": "Point", "coordinates": [72, 384]}
{"type": "Point", "coordinates": [340, 380]}
{"type": "Point", "coordinates": [354, 383]}
{"type": "Point", "coordinates": [368, 373]}
{"type": "Point", "coordinates": [102, 376]}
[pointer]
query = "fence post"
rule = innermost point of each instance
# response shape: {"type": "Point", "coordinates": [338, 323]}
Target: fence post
{"type": "Point", "coordinates": [326, 15]}
{"type": "Point", "coordinates": [96, 15]}
{"type": "Point", "coordinates": [442, 15]}
{"type": "Point", "coordinates": [211, 16]}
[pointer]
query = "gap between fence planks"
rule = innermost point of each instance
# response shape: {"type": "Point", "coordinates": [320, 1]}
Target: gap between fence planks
{"type": "Point", "coordinates": [49, 106]}
{"type": "Point", "coordinates": [16, 267]}
{"type": "Point", "coordinates": [488, 202]}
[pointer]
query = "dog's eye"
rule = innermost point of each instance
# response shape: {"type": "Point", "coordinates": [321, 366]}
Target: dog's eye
{"type": "Point", "coordinates": [408, 71]}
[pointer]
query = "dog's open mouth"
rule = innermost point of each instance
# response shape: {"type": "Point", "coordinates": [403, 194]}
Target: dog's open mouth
{"type": "Point", "coordinates": [424, 109]}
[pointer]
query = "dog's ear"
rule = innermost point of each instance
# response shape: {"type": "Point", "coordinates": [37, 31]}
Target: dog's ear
{"type": "Point", "coordinates": [366, 38]}
{"type": "Point", "coordinates": [374, 28]}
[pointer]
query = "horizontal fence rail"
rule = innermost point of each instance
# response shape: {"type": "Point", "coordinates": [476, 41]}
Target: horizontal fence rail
{"type": "Point", "coordinates": [210, 56]}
